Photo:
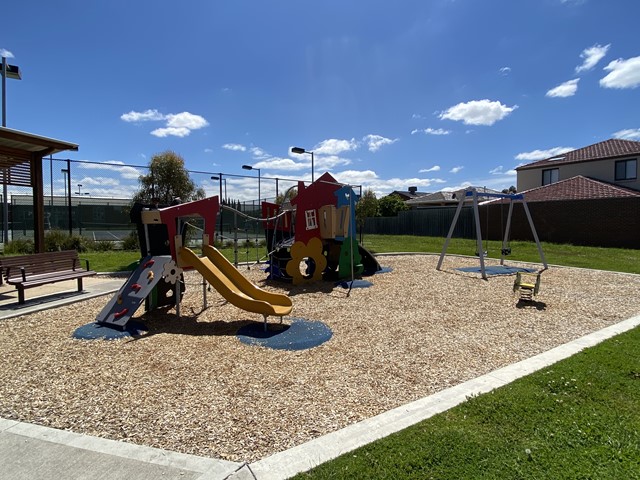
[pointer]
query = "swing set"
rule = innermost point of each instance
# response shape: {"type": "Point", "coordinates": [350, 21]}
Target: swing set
{"type": "Point", "coordinates": [481, 252]}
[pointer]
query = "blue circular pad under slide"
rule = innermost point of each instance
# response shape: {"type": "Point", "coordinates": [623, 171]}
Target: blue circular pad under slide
{"type": "Point", "coordinates": [300, 335]}
{"type": "Point", "coordinates": [95, 331]}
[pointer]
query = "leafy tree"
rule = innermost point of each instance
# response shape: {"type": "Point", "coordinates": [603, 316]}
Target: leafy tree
{"type": "Point", "coordinates": [510, 191]}
{"type": "Point", "coordinates": [287, 195]}
{"type": "Point", "coordinates": [366, 207]}
{"type": "Point", "coordinates": [167, 179]}
{"type": "Point", "coordinates": [390, 205]}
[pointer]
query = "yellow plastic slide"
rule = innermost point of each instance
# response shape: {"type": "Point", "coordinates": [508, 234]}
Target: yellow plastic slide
{"type": "Point", "coordinates": [234, 286]}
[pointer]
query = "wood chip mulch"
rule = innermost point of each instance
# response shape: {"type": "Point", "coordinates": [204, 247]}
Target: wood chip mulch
{"type": "Point", "coordinates": [191, 386]}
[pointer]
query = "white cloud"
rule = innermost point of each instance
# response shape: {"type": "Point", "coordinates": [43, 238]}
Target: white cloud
{"type": "Point", "coordinates": [591, 56]}
{"type": "Point", "coordinates": [177, 124]}
{"type": "Point", "coordinates": [505, 71]}
{"type": "Point", "coordinates": [234, 147]}
{"type": "Point", "coordinates": [455, 169]}
{"type": "Point", "coordinates": [126, 172]}
{"type": "Point", "coordinates": [435, 168]}
{"type": "Point", "coordinates": [417, 116]}
{"type": "Point", "coordinates": [628, 134]}
{"type": "Point", "coordinates": [375, 142]}
{"type": "Point", "coordinates": [566, 89]}
{"type": "Point", "coordinates": [542, 154]}
{"type": "Point", "coordinates": [171, 131]}
{"type": "Point", "coordinates": [146, 116]}
{"type": "Point", "coordinates": [5, 53]}
{"type": "Point", "coordinates": [478, 112]}
{"type": "Point", "coordinates": [259, 153]}
{"type": "Point", "coordinates": [208, 150]}
{"type": "Point", "coordinates": [186, 120]}
{"type": "Point", "coordinates": [432, 131]}
{"type": "Point", "coordinates": [333, 146]}
{"type": "Point", "coordinates": [622, 74]}
{"type": "Point", "coordinates": [497, 170]}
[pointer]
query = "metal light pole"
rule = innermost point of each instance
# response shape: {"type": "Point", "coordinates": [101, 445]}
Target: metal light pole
{"type": "Point", "coordinates": [302, 150]}
{"type": "Point", "coordinates": [11, 71]}
{"type": "Point", "coordinates": [249, 167]}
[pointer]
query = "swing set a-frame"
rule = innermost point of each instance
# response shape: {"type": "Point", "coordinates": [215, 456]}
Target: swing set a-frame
{"type": "Point", "coordinates": [472, 192]}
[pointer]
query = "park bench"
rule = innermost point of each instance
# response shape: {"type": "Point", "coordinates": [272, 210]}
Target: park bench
{"type": "Point", "coordinates": [28, 271]}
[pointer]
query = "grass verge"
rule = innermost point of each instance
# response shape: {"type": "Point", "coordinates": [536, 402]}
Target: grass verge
{"type": "Point", "coordinates": [578, 418]}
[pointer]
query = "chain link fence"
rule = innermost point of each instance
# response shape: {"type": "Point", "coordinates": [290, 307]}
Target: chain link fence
{"type": "Point", "coordinates": [93, 199]}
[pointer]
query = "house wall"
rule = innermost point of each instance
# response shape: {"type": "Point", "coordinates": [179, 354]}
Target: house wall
{"type": "Point", "coordinates": [599, 169]}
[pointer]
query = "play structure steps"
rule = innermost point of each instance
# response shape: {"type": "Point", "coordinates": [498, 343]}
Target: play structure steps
{"type": "Point", "coordinates": [138, 286]}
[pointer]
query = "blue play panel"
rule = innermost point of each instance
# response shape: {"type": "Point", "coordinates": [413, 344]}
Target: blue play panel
{"type": "Point", "coordinates": [300, 335]}
{"type": "Point", "coordinates": [95, 331]}
{"type": "Point", "coordinates": [497, 270]}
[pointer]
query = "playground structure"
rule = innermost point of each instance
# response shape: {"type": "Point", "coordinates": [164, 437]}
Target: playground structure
{"type": "Point", "coordinates": [505, 250]}
{"type": "Point", "coordinates": [313, 241]}
{"type": "Point", "coordinates": [157, 265]}
{"type": "Point", "coordinates": [316, 240]}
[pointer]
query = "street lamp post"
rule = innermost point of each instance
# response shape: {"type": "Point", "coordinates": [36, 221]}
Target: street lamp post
{"type": "Point", "coordinates": [79, 187]}
{"type": "Point", "coordinates": [249, 167]}
{"type": "Point", "coordinates": [8, 71]}
{"type": "Point", "coordinates": [302, 150]}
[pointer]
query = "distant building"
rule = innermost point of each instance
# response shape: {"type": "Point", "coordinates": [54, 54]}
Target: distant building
{"type": "Point", "coordinates": [613, 161]}
{"type": "Point", "coordinates": [442, 198]}
{"type": "Point", "coordinates": [408, 194]}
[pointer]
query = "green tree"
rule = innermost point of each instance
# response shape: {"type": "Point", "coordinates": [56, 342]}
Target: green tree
{"type": "Point", "coordinates": [510, 191]}
{"type": "Point", "coordinates": [167, 179]}
{"type": "Point", "coordinates": [390, 205]}
{"type": "Point", "coordinates": [287, 195]}
{"type": "Point", "coordinates": [366, 207]}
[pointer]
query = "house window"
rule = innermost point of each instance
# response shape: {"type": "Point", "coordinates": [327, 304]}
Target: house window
{"type": "Point", "coordinates": [549, 176]}
{"type": "Point", "coordinates": [311, 219]}
{"type": "Point", "coordinates": [627, 169]}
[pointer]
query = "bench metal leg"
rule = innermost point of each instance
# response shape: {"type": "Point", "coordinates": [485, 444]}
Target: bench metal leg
{"type": "Point", "coordinates": [80, 284]}
{"type": "Point", "coordinates": [20, 295]}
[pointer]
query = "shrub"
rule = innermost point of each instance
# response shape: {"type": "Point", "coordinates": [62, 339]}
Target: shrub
{"type": "Point", "coordinates": [102, 246]}
{"type": "Point", "coordinates": [56, 240]}
{"type": "Point", "coordinates": [22, 246]}
{"type": "Point", "coordinates": [130, 242]}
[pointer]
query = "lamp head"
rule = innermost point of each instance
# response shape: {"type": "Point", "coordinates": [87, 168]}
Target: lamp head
{"type": "Point", "coordinates": [247, 167]}
{"type": "Point", "coordinates": [298, 150]}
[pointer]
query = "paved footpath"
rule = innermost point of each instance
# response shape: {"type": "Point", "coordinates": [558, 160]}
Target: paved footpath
{"type": "Point", "coordinates": [39, 453]}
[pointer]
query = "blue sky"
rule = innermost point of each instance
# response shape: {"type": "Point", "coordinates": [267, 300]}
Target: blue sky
{"type": "Point", "coordinates": [437, 94]}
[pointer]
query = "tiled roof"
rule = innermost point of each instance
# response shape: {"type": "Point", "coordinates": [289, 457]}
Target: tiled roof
{"type": "Point", "coordinates": [444, 197]}
{"type": "Point", "coordinates": [577, 188]}
{"type": "Point", "coordinates": [612, 148]}
{"type": "Point", "coordinates": [409, 194]}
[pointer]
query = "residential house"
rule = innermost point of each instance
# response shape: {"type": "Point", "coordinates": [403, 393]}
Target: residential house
{"type": "Point", "coordinates": [408, 194]}
{"type": "Point", "coordinates": [613, 161]}
{"type": "Point", "coordinates": [442, 198]}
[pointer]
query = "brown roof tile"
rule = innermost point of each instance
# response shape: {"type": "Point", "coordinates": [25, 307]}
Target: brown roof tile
{"type": "Point", "coordinates": [611, 148]}
{"type": "Point", "coordinates": [577, 188]}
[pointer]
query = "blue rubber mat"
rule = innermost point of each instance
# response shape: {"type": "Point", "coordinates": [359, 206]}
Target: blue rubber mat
{"type": "Point", "coordinates": [300, 335]}
{"type": "Point", "coordinates": [497, 270]}
{"type": "Point", "coordinates": [356, 284]}
{"type": "Point", "coordinates": [95, 331]}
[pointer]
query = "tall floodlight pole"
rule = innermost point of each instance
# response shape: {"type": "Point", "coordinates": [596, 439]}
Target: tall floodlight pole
{"type": "Point", "coordinates": [302, 150]}
{"type": "Point", "coordinates": [249, 167]}
{"type": "Point", "coordinates": [10, 71]}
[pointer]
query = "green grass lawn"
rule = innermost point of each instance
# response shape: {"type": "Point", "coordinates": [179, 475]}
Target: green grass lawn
{"type": "Point", "coordinates": [576, 419]}
{"type": "Point", "coordinates": [613, 259]}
